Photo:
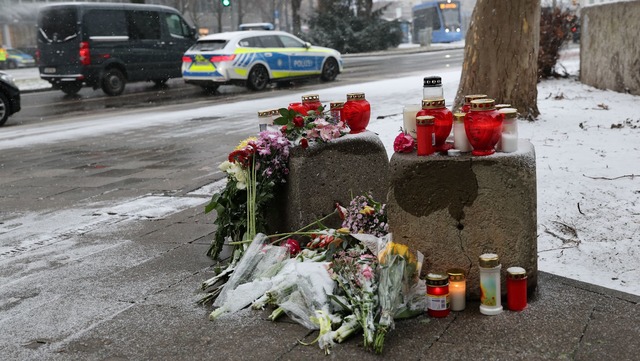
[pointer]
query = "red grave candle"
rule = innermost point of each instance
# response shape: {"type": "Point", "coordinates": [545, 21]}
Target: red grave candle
{"type": "Point", "coordinates": [298, 107]}
{"type": "Point", "coordinates": [438, 295]}
{"type": "Point", "coordinates": [424, 134]}
{"type": "Point", "coordinates": [311, 102]}
{"type": "Point", "coordinates": [466, 107]}
{"type": "Point", "coordinates": [483, 125]}
{"type": "Point", "coordinates": [356, 112]}
{"type": "Point", "coordinates": [443, 121]}
{"type": "Point", "coordinates": [516, 288]}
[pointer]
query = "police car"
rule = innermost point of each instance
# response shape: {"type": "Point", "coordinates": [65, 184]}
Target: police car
{"type": "Point", "coordinates": [256, 58]}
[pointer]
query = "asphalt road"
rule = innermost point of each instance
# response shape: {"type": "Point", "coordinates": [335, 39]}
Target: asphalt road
{"type": "Point", "coordinates": [38, 107]}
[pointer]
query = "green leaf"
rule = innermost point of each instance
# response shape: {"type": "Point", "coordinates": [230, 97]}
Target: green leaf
{"type": "Point", "coordinates": [281, 121]}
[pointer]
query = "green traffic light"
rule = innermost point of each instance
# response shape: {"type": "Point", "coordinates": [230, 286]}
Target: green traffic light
{"type": "Point", "coordinates": [225, 2]}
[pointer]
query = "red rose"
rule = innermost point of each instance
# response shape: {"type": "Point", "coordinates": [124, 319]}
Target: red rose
{"type": "Point", "coordinates": [298, 121]}
{"type": "Point", "coordinates": [304, 143]}
{"type": "Point", "coordinates": [404, 143]}
{"type": "Point", "coordinates": [293, 246]}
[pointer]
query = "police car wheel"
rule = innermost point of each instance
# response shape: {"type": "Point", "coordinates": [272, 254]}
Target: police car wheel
{"type": "Point", "coordinates": [113, 82]}
{"type": "Point", "coordinates": [4, 109]}
{"type": "Point", "coordinates": [329, 70]}
{"type": "Point", "coordinates": [258, 78]}
{"type": "Point", "coordinates": [12, 65]}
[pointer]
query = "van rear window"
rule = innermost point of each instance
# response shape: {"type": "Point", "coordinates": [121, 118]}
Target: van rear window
{"type": "Point", "coordinates": [209, 45]}
{"type": "Point", "coordinates": [57, 25]}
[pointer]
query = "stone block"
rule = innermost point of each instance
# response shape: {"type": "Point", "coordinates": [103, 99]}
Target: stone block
{"type": "Point", "coordinates": [453, 209]}
{"type": "Point", "coordinates": [326, 173]}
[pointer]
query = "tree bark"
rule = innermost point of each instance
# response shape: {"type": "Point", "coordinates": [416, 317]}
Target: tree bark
{"type": "Point", "coordinates": [501, 54]}
{"type": "Point", "coordinates": [295, 17]}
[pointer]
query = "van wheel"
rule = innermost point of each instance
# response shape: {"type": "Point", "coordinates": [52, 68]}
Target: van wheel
{"type": "Point", "coordinates": [113, 82]}
{"type": "Point", "coordinates": [258, 78]}
{"type": "Point", "coordinates": [4, 109]}
{"type": "Point", "coordinates": [71, 88]}
{"type": "Point", "coordinates": [330, 70]}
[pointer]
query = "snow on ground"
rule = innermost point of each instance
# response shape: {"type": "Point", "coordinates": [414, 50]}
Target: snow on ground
{"type": "Point", "coordinates": [588, 162]}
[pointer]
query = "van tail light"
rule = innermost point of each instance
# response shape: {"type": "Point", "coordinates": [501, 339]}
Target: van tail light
{"type": "Point", "coordinates": [85, 56]}
{"type": "Point", "coordinates": [186, 59]}
{"type": "Point", "coordinates": [37, 56]}
{"type": "Point", "coordinates": [221, 58]}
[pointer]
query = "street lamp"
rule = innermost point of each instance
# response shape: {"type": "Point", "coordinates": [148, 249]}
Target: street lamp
{"type": "Point", "coordinates": [225, 3]}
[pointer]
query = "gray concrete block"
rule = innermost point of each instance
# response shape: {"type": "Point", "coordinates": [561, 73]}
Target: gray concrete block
{"type": "Point", "coordinates": [326, 173]}
{"type": "Point", "coordinates": [453, 209]}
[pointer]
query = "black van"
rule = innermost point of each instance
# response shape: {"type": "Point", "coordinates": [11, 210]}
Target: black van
{"type": "Point", "coordinates": [106, 45]}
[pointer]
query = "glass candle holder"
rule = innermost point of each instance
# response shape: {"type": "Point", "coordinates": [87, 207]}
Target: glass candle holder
{"type": "Point", "coordinates": [356, 112]}
{"type": "Point", "coordinates": [425, 135]}
{"type": "Point", "coordinates": [336, 110]}
{"type": "Point", "coordinates": [490, 302]}
{"type": "Point", "coordinates": [443, 121]}
{"type": "Point", "coordinates": [509, 136]}
{"type": "Point", "coordinates": [460, 140]}
{"type": "Point", "coordinates": [264, 119]}
{"type": "Point", "coordinates": [502, 106]}
{"type": "Point", "coordinates": [409, 113]}
{"type": "Point", "coordinates": [466, 107]}
{"type": "Point", "coordinates": [311, 102]}
{"type": "Point", "coordinates": [516, 288]}
{"type": "Point", "coordinates": [299, 108]}
{"type": "Point", "coordinates": [437, 295]}
{"type": "Point", "coordinates": [432, 88]}
{"type": "Point", "coordinates": [483, 125]}
{"type": "Point", "coordinates": [457, 289]}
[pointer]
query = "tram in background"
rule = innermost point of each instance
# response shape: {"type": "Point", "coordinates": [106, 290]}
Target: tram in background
{"type": "Point", "coordinates": [443, 17]}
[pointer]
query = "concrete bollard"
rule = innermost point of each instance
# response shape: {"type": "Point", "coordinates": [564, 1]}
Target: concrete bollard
{"type": "Point", "coordinates": [453, 209]}
{"type": "Point", "coordinates": [326, 173]}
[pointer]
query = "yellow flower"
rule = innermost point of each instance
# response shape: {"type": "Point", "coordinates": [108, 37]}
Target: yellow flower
{"type": "Point", "coordinates": [393, 248]}
{"type": "Point", "coordinates": [367, 210]}
{"type": "Point", "coordinates": [245, 142]}
{"type": "Point", "coordinates": [343, 230]}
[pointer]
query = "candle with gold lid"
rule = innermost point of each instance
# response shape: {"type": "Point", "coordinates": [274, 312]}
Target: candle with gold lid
{"type": "Point", "coordinates": [437, 295]}
{"type": "Point", "coordinates": [466, 107]}
{"type": "Point", "coordinates": [516, 288]}
{"type": "Point", "coordinates": [311, 102]}
{"type": "Point", "coordinates": [356, 112]}
{"type": "Point", "coordinates": [457, 289]}
{"type": "Point", "coordinates": [490, 302]}
{"type": "Point", "coordinates": [336, 107]}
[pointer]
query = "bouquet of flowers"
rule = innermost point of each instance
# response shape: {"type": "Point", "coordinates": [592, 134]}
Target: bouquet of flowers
{"type": "Point", "coordinates": [314, 126]}
{"type": "Point", "coordinates": [365, 215]}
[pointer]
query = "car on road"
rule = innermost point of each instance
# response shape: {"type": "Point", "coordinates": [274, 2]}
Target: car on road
{"type": "Point", "coordinates": [9, 97]}
{"type": "Point", "coordinates": [256, 58]}
{"type": "Point", "coordinates": [19, 59]}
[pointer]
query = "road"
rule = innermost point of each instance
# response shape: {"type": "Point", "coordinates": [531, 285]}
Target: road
{"type": "Point", "coordinates": [53, 105]}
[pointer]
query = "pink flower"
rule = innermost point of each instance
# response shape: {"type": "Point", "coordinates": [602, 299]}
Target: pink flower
{"type": "Point", "coordinates": [341, 211]}
{"type": "Point", "coordinates": [293, 246]}
{"type": "Point", "coordinates": [404, 143]}
{"type": "Point", "coordinates": [367, 272]}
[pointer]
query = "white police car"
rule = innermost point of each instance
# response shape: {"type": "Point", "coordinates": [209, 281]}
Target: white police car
{"type": "Point", "coordinates": [256, 58]}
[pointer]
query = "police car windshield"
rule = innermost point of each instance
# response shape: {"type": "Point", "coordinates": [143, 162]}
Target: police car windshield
{"type": "Point", "coordinates": [209, 45]}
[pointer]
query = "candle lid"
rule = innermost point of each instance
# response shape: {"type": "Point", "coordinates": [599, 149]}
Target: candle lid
{"type": "Point", "coordinates": [469, 98]}
{"type": "Point", "coordinates": [454, 152]}
{"type": "Point", "coordinates": [336, 104]}
{"type": "Point", "coordinates": [274, 111]}
{"type": "Point", "coordinates": [264, 113]}
{"type": "Point", "coordinates": [459, 117]}
{"type": "Point", "coordinates": [509, 113]}
{"type": "Point", "coordinates": [436, 279]}
{"type": "Point", "coordinates": [516, 273]}
{"type": "Point", "coordinates": [425, 120]}
{"type": "Point", "coordinates": [355, 96]}
{"type": "Point", "coordinates": [456, 274]}
{"type": "Point", "coordinates": [502, 106]}
{"type": "Point", "coordinates": [482, 105]}
{"type": "Point", "coordinates": [310, 98]}
{"type": "Point", "coordinates": [432, 81]}
{"type": "Point", "coordinates": [489, 260]}
{"type": "Point", "coordinates": [432, 103]}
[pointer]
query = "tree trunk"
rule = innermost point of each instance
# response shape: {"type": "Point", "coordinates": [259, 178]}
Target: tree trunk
{"type": "Point", "coordinates": [295, 16]}
{"type": "Point", "coordinates": [501, 54]}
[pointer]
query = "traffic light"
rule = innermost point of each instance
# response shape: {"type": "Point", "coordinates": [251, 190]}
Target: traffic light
{"type": "Point", "coordinates": [225, 3]}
